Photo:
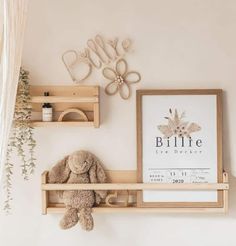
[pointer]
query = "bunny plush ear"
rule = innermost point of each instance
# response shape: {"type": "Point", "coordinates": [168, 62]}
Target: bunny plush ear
{"type": "Point", "coordinates": [98, 175]}
{"type": "Point", "coordinates": [60, 172]}
{"type": "Point", "coordinates": [96, 172]}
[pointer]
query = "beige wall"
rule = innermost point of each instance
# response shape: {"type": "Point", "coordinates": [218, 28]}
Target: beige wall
{"type": "Point", "coordinates": [178, 44]}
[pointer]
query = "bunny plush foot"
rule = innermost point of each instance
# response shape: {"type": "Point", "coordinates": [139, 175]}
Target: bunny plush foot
{"type": "Point", "coordinates": [70, 219]}
{"type": "Point", "coordinates": [86, 219]}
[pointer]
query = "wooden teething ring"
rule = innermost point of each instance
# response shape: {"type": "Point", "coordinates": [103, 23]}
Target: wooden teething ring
{"type": "Point", "coordinates": [73, 110]}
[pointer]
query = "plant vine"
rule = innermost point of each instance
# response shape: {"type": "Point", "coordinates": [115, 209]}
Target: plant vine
{"type": "Point", "coordinates": [21, 140]}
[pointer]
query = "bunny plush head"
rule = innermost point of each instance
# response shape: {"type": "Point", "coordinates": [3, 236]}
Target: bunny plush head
{"type": "Point", "coordinates": [81, 161]}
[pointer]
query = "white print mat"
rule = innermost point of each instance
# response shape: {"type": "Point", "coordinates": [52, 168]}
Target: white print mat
{"type": "Point", "coordinates": [181, 164]}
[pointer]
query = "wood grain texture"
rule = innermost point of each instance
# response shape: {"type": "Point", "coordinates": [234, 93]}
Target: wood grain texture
{"type": "Point", "coordinates": [65, 90]}
{"type": "Point", "coordinates": [96, 113]}
{"type": "Point", "coordinates": [62, 106]}
{"type": "Point", "coordinates": [62, 123]}
{"type": "Point", "coordinates": [226, 193]}
{"type": "Point", "coordinates": [136, 186]}
{"type": "Point", "coordinates": [44, 193]}
{"type": "Point", "coordinates": [73, 110]}
{"type": "Point", "coordinates": [63, 99]}
{"type": "Point", "coordinates": [58, 210]}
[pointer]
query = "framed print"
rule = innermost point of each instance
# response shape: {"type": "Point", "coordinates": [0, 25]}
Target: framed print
{"type": "Point", "coordinates": [179, 140]}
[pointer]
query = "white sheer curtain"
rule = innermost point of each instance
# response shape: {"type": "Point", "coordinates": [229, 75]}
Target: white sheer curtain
{"type": "Point", "coordinates": [1, 31]}
{"type": "Point", "coordinates": [14, 14]}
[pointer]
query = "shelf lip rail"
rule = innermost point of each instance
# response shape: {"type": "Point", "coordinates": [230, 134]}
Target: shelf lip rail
{"type": "Point", "coordinates": [137, 186]}
{"type": "Point", "coordinates": [61, 99]}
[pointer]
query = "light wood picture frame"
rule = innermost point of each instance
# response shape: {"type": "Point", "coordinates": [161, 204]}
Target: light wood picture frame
{"type": "Point", "coordinates": [199, 113]}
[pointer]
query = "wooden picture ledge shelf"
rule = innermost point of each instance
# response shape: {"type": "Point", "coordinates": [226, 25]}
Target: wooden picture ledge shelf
{"type": "Point", "coordinates": [126, 181]}
{"type": "Point", "coordinates": [64, 98]}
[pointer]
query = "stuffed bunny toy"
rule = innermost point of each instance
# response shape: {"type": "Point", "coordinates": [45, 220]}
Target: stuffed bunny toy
{"type": "Point", "coordinates": [79, 167]}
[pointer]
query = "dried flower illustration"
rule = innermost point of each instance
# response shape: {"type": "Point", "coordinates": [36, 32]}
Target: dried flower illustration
{"type": "Point", "coordinates": [121, 79]}
{"type": "Point", "coordinates": [177, 126]}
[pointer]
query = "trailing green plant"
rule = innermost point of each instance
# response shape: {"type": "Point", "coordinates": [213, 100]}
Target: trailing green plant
{"type": "Point", "coordinates": [21, 140]}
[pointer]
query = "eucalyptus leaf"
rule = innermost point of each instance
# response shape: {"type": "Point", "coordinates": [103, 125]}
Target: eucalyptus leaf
{"type": "Point", "coordinates": [21, 140]}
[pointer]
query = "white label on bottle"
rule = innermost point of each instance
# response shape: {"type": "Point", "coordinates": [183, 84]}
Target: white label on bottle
{"type": "Point", "coordinates": [47, 114]}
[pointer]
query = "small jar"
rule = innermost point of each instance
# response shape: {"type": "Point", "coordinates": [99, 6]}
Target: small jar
{"type": "Point", "coordinates": [47, 112]}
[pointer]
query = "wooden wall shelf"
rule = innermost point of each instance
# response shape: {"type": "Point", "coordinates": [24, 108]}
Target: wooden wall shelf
{"type": "Point", "coordinates": [62, 98]}
{"type": "Point", "coordinates": [126, 180]}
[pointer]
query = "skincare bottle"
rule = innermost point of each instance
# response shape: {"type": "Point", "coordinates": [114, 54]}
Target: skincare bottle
{"type": "Point", "coordinates": [46, 110]}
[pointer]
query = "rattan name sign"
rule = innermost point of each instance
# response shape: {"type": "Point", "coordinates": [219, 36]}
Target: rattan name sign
{"type": "Point", "coordinates": [72, 105]}
{"type": "Point", "coordinates": [99, 52]}
{"type": "Point", "coordinates": [124, 183]}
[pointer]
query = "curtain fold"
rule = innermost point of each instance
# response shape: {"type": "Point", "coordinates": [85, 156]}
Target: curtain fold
{"type": "Point", "coordinates": [1, 38]}
{"type": "Point", "coordinates": [1, 30]}
{"type": "Point", "coordinates": [14, 21]}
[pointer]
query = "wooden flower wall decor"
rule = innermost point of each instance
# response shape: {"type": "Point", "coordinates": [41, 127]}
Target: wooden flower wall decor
{"type": "Point", "coordinates": [99, 53]}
